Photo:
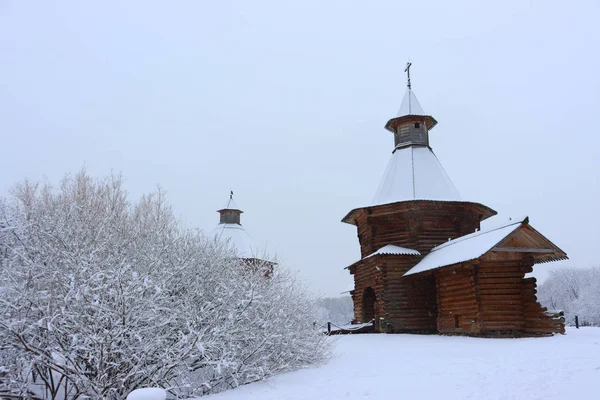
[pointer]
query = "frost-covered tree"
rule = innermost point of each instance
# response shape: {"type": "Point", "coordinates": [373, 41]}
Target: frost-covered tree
{"type": "Point", "coordinates": [575, 291]}
{"type": "Point", "coordinates": [100, 296]}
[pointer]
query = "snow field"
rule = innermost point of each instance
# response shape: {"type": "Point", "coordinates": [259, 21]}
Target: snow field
{"type": "Point", "coordinates": [450, 367]}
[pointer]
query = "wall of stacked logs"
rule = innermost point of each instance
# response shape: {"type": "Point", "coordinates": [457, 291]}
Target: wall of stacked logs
{"type": "Point", "coordinates": [418, 225]}
{"type": "Point", "coordinates": [458, 307]}
{"type": "Point", "coordinates": [492, 297]}
{"type": "Point", "coordinates": [367, 275]}
{"type": "Point", "coordinates": [410, 303]}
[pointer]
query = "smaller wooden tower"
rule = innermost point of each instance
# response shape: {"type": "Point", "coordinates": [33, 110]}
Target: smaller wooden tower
{"type": "Point", "coordinates": [230, 230]}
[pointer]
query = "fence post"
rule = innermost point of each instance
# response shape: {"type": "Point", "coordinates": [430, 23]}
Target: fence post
{"type": "Point", "coordinates": [329, 328]}
{"type": "Point", "coordinates": [576, 322]}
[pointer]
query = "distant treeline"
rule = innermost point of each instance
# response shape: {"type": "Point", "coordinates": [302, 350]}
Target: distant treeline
{"type": "Point", "coordinates": [576, 292]}
{"type": "Point", "coordinates": [338, 310]}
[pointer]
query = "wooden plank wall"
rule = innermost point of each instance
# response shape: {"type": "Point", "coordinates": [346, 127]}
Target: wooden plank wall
{"type": "Point", "coordinates": [458, 309]}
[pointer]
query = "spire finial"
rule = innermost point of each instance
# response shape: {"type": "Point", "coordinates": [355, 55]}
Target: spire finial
{"type": "Point", "coordinates": [407, 70]}
{"type": "Point", "coordinates": [230, 199]}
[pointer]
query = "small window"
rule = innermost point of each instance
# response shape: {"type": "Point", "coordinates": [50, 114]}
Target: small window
{"type": "Point", "coordinates": [417, 125]}
{"type": "Point", "coordinates": [456, 321]}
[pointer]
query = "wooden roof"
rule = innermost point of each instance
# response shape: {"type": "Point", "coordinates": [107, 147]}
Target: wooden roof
{"type": "Point", "coordinates": [514, 237]}
{"type": "Point", "coordinates": [398, 206]}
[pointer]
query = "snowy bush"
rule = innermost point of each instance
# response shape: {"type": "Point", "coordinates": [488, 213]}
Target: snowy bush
{"type": "Point", "coordinates": [576, 292]}
{"type": "Point", "coordinates": [100, 297]}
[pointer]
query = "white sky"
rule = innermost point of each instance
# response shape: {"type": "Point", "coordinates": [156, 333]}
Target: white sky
{"type": "Point", "coordinates": [285, 104]}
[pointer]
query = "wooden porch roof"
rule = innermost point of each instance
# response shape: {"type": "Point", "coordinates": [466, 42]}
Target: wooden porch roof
{"type": "Point", "coordinates": [515, 236]}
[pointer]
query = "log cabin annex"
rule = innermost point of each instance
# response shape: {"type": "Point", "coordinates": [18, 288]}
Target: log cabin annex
{"type": "Point", "coordinates": [426, 266]}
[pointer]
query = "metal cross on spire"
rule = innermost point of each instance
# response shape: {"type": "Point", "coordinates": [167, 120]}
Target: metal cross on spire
{"type": "Point", "coordinates": [407, 70]}
{"type": "Point", "coordinates": [230, 199]}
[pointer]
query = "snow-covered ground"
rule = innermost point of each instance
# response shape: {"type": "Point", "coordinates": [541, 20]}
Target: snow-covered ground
{"type": "Point", "coordinates": [383, 366]}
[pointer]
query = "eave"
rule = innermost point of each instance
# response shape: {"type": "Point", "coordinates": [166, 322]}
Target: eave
{"type": "Point", "coordinates": [350, 218]}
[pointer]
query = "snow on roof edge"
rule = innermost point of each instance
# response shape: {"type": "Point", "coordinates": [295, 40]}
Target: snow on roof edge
{"type": "Point", "coordinates": [455, 251]}
{"type": "Point", "coordinates": [482, 232]}
{"type": "Point", "coordinates": [392, 249]}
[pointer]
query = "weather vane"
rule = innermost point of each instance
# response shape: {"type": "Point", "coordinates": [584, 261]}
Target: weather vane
{"type": "Point", "coordinates": [407, 70]}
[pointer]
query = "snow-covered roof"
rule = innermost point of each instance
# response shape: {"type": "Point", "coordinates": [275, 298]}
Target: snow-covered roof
{"type": "Point", "coordinates": [237, 237]}
{"type": "Point", "coordinates": [231, 204]}
{"type": "Point", "coordinates": [389, 249]}
{"type": "Point", "coordinates": [465, 248]}
{"type": "Point", "coordinates": [415, 173]}
{"type": "Point", "coordinates": [348, 289]}
{"type": "Point", "coordinates": [393, 249]}
{"type": "Point", "coordinates": [410, 105]}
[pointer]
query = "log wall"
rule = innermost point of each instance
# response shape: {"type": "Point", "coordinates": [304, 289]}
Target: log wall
{"type": "Point", "coordinates": [367, 275]}
{"type": "Point", "coordinates": [491, 296]}
{"type": "Point", "coordinates": [508, 299]}
{"type": "Point", "coordinates": [458, 307]}
{"type": "Point", "coordinates": [418, 225]}
{"type": "Point", "coordinates": [500, 296]}
{"type": "Point", "coordinates": [410, 303]}
{"type": "Point", "coordinates": [538, 321]}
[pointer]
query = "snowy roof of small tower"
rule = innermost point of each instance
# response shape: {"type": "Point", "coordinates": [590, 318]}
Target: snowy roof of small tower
{"type": "Point", "coordinates": [394, 250]}
{"type": "Point", "coordinates": [236, 236]}
{"type": "Point", "coordinates": [410, 105]}
{"type": "Point", "coordinates": [231, 204]}
{"type": "Point", "coordinates": [414, 173]}
{"type": "Point", "coordinates": [466, 248]}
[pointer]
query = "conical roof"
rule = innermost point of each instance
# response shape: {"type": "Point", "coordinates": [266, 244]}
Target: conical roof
{"type": "Point", "coordinates": [231, 205]}
{"type": "Point", "coordinates": [410, 105]}
{"type": "Point", "coordinates": [236, 236]}
{"type": "Point", "coordinates": [415, 173]}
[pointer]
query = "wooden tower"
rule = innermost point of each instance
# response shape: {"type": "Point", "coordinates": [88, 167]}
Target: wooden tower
{"type": "Point", "coordinates": [426, 266]}
{"type": "Point", "coordinates": [230, 230]}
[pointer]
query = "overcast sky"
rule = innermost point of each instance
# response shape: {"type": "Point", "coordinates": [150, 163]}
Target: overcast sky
{"type": "Point", "coordinates": [284, 103]}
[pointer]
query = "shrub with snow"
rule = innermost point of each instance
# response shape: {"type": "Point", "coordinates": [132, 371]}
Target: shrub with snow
{"type": "Point", "coordinates": [100, 297]}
